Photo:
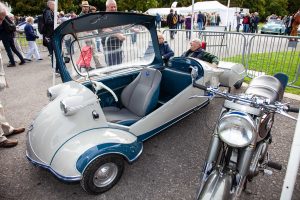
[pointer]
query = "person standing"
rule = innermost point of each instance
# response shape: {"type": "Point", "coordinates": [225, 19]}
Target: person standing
{"type": "Point", "coordinates": [246, 23]}
{"type": "Point", "coordinates": [7, 130]}
{"type": "Point", "coordinates": [113, 44]}
{"type": "Point", "coordinates": [188, 25]}
{"type": "Point", "coordinates": [295, 23]}
{"type": "Point", "coordinates": [85, 8]}
{"type": "Point", "coordinates": [171, 23]}
{"type": "Point", "coordinates": [200, 20]}
{"type": "Point", "coordinates": [255, 21]}
{"type": "Point", "coordinates": [7, 34]}
{"type": "Point", "coordinates": [158, 21]}
{"type": "Point", "coordinates": [31, 37]}
{"type": "Point", "coordinates": [218, 19]}
{"type": "Point", "coordinates": [238, 21]}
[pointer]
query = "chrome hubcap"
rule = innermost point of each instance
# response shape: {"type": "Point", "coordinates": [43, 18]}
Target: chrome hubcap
{"type": "Point", "coordinates": [105, 175]}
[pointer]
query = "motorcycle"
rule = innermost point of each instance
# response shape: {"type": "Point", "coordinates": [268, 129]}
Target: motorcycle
{"type": "Point", "coordinates": [238, 149]}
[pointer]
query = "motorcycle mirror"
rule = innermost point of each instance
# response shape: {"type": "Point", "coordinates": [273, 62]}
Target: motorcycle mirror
{"type": "Point", "coordinates": [194, 72]}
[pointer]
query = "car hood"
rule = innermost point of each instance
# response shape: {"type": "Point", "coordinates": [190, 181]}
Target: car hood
{"type": "Point", "coordinates": [100, 21]}
{"type": "Point", "coordinates": [51, 128]}
{"type": "Point", "coordinates": [272, 26]}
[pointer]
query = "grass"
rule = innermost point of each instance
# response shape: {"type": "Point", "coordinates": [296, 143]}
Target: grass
{"type": "Point", "coordinates": [272, 63]}
{"type": "Point", "coordinates": [23, 42]}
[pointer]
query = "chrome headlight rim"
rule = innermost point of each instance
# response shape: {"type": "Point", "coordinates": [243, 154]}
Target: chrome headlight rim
{"type": "Point", "coordinates": [237, 129]}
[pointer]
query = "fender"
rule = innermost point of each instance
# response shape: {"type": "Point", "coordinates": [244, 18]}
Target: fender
{"type": "Point", "coordinates": [217, 186]}
{"type": "Point", "coordinates": [74, 156]}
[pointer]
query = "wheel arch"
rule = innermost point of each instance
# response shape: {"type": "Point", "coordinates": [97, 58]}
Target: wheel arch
{"type": "Point", "coordinates": [129, 152]}
{"type": "Point", "coordinates": [74, 155]}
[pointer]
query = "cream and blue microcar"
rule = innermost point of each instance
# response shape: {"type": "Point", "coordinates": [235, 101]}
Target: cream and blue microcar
{"type": "Point", "coordinates": [116, 93]}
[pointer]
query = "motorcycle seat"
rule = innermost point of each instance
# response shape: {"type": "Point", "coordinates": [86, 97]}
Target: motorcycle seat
{"type": "Point", "coordinates": [266, 86]}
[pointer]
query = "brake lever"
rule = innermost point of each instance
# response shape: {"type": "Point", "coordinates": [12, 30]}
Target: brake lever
{"type": "Point", "coordinates": [285, 114]}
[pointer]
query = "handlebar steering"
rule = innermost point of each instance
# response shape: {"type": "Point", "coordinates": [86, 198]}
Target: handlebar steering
{"type": "Point", "coordinates": [254, 101]}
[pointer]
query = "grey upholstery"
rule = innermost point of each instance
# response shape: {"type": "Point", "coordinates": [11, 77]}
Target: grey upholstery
{"type": "Point", "coordinates": [139, 98]}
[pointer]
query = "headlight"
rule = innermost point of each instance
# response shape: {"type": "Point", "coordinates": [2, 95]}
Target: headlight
{"type": "Point", "coordinates": [236, 129]}
{"type": "Point", "coordinates": [54, 91]}
{"type": "Point", "coordinates": [72, 104]}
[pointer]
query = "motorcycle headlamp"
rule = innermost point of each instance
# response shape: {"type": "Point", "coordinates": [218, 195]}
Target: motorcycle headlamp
{"type": "Point", "coordinates": [236, 129]}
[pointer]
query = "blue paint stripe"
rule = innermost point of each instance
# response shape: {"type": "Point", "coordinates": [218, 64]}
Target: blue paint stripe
{"type": "Point", "coordinates": [130, 151]}
{"type": "Point", "coordinates": [166, 125]}
{"type": "Point", "coordinates": [79, 134]}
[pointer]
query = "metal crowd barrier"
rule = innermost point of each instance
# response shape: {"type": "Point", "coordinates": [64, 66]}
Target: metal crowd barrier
{"type": "Point", "coordinates": [269, 54]}
{"type": "Point", "coordinates": [260, 54]}
{"type": "Point", "coordinates": [21, 39]}
{"type": "Point", "coordinates": [227, 46]}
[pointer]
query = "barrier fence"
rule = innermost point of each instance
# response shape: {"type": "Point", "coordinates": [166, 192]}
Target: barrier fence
{"type": "Point", "coordinates": [260, 54]}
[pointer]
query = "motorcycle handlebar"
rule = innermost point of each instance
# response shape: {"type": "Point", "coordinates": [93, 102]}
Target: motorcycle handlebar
{"type": "Point", "coordinates": [293, 109]}
{"type": "Point", "coordinates": [257, 102]}
{"type": "Point", "coordinates": [201, 87]}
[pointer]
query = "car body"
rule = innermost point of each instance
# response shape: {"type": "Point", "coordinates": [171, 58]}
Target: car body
{"type": "Point", "coordinates": [76, 136]}
{"type": "Point", "coordinates": [20, 27]}
{"type": "Point", "coordinates": [273, 27]}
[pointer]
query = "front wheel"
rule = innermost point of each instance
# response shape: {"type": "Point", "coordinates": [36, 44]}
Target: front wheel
{"type": "Point", "coordinates": [102, 174]}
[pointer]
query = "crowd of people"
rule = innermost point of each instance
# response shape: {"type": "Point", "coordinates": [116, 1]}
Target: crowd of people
{"type": "Point", "coordinates": [248, 22]}
{"type": "Point", "coordinates": [179, 21]}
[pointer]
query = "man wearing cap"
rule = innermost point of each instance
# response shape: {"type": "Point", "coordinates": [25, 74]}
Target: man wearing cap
{"type": "Point", "coordinates": [85, 8]}
{"type": "Point", "coordinates": [196, 51]}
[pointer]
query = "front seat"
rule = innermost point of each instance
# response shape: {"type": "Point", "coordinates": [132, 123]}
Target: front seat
{"type": "Point", "coordinates": [139, 98]}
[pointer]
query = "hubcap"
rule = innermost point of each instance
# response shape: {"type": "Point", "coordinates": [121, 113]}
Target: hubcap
{"type": "Point", "coordinates": [105, 175]}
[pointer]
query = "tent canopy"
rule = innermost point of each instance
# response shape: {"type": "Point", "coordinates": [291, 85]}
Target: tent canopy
{"type": "Point", "coordinates": [208, 5]}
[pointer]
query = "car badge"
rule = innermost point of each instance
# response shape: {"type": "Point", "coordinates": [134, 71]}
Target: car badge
{"type": "Point", "coordinates": [147, 73]}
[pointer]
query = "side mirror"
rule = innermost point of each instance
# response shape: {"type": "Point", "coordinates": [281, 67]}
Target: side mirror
{"type": "Point", "coordinates": [66, 59]}
{"type": "Point", "coordinates": [194, 73]}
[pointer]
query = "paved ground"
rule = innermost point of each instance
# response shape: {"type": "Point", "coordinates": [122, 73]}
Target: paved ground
{"type": "Point", "coordinates": [168, 168]}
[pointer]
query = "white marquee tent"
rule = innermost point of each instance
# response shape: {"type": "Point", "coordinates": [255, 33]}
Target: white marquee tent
{"type": "Point", "coordinates": [205, 6]}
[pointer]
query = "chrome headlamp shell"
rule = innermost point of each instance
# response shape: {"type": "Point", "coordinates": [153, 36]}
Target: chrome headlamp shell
{"type": "Point", "coordinates": [236, 129]}
{"type": "Point", "coordinates": [72, 104]}
{"type": "Point", "coordinates": [54, 91]}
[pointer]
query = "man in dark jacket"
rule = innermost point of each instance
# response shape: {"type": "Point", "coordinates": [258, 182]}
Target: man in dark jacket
{"type": "Point", "coordinates": [49, 26]}
{"type": "Point", "coordinates": [164, 48]}
{"type": "Point", "coordinates": [7, 33]}
{"type": "Point", "coordinates": [171, 21]}
{"type": "Point", "coordinates": [196, 51]}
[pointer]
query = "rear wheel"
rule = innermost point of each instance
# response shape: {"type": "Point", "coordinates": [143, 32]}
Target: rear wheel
{"type": "Point", "coordinates": [102, 174]}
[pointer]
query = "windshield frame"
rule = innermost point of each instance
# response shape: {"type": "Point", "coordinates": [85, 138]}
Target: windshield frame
{"type": "Point", "coordinates": [101, 20]}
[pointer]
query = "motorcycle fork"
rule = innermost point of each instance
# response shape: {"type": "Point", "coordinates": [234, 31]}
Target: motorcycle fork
{"type": "Point", "coordinates": [244, 162]}
{"type": "Point", "coordinates": [211, 159]}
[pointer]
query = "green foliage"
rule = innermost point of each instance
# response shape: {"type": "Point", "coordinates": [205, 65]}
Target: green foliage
{"type": "Point", "coordinates": [263, 7]}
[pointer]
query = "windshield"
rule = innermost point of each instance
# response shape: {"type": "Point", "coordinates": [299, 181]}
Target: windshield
{"type": "Point", "coordinates": [106, 51]}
